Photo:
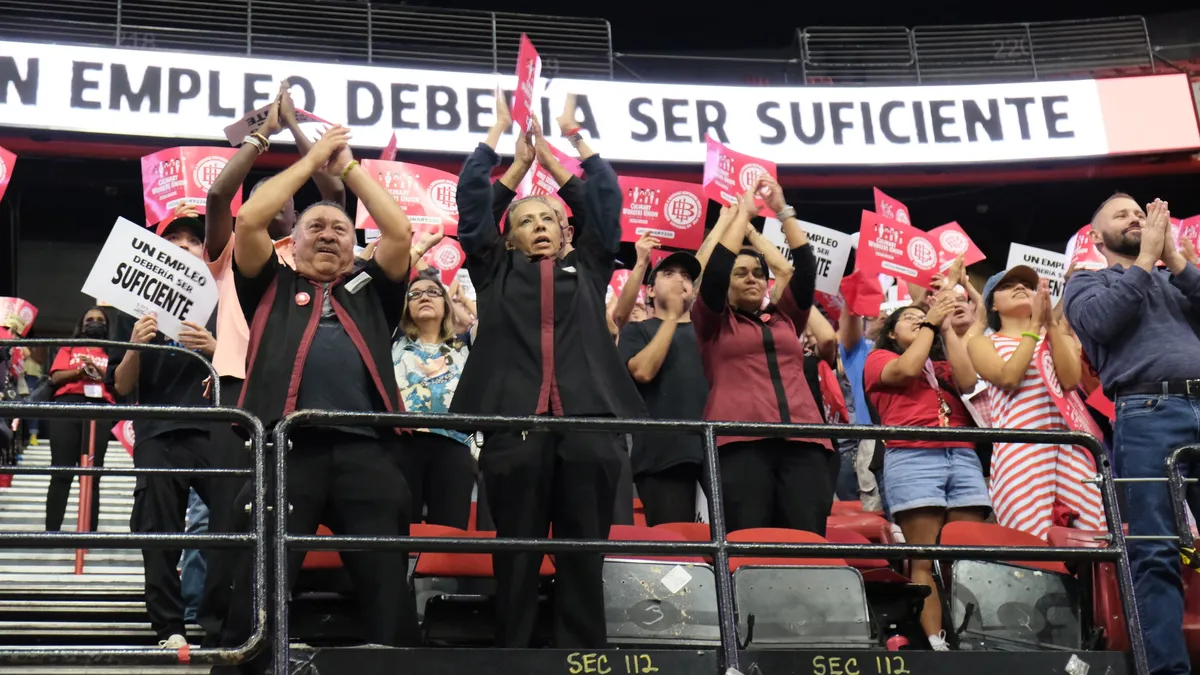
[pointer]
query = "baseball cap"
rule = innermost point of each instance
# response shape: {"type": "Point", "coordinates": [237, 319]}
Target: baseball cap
{"type": "Point", "coordinates": [682, 259]}
{"type": "Point", "coordinates": [188, 223]}
{"type": "Point", "coordinates": [1023, 273]}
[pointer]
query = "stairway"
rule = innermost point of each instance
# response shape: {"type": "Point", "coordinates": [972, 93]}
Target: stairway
{"type": "Point", "coordinates": [44, 603]}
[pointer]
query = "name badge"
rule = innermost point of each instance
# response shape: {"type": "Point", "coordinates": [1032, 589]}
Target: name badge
{"type": "Point", "coordinates": [93, 391]}
{"type": "Point", "coordinates": [570, 269]}
{"type": "Point", "coordinates": [356, 284]}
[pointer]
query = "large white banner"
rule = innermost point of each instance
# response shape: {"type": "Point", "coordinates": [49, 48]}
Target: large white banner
{"type": "Point", "coordinates": [179, 95]}
{"type": "Point", "coordinates": [139, 272]}
{"type": "Point", "coordinates": [830, 247]}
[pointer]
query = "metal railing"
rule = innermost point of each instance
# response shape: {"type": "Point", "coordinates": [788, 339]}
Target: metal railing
{"type": "Point", "coordinates": [384, 33]}
{"type": "Point", "coordinates": [719, 549]}
{"type": "Point", "coordinates": [1177, 485]}
{"type": "Point", "coordinates": [343, 31]}
{"type": "Point", "coordinates": [255, 539]}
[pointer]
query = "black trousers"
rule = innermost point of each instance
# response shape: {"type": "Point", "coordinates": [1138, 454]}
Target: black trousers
{"type": "Point", "coordinates": [440, 473]}
{"type": "Point", "coordinates": [669, 496]}
{"type": "Point", "coordinates": [623, 504]}
{"type": "Point", "coordinates": [534, 480]}
{"type": "Point", "coordinates": [354, 485]}
{"type": "Point", "coordinates": [160, 505]}
{"type": "Point", "coordinates": [68, 441]}
{"type": "Point", "coordinates": [776, 483]}
{"type": "Point", "coordinates": [227, 450]}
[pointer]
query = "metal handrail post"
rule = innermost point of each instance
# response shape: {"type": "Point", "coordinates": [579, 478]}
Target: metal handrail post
{"type": "Point", "coordinates": [282, 591]}
{"type": "Point", "coordinates": [1178, 491]}
{"type": "Point", "coordinates": [726, 610]}
{"type": "Point", "coordinates": [255, 540]}
{"type": "Point", "coordinates": [83, 519]}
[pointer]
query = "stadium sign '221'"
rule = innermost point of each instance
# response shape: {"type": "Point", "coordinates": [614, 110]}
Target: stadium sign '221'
{"type": "Point", "coordinates": [187, 96]}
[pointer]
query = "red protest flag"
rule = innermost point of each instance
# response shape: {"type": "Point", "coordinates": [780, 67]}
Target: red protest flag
{"type": "Point", "coordinates": [7, 161]}
{"type": "Point", "coordinates": [862, 293]}
{"type": "Point", "coordinates": [952, 241]}
{"type": "Point", "coordinates": [447, 257]}
{"type": "Point", "coordinates": [1082, 253]}
{"type": "Point", "coordinates": [887, 246]}
{"type": "Point", "coordinates": [529, 69]}
{"type": "Point", "coordinates": [389, 151]}
{"type": "Point", "coordinates": [728, 173]}
{"type": "Point", "coordinates": [428, 196]}
{"type": "Point", "coordinates": [889, 207]}
{"type": "Point", "coordinates": [671, 210]}
{"type": "Point", "coordinates": [182, 176]}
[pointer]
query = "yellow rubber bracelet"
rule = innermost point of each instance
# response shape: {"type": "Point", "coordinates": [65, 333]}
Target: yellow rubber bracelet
{"type": "Point", "coordinates": [349, 167]}
{"type": "Point", "coordinates": [1031, 334]}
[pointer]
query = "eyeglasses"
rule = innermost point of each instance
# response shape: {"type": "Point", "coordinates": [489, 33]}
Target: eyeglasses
{"type": "Point", "coordinates": [428, 293]}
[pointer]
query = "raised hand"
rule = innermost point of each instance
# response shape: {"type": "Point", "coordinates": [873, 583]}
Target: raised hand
{"type": "Point", "coordinates": [1155, 233]}
{"type": "Point", "coordinates": [196, 337]}
{"type": "Point", "coordinates": [1189, 251]}
{"type": "Point", "coordinates": [644, 245]}
{"type": "Point", "coordinates": [746, 206]}
{"type": "Point", "coordinates": [545, 156]}
{"type": "Point", "coordinates": [332, 140]}
{"type": "Point", "coordinates": [185, 210]}
{"type": "Point", "coordinates": [941, 308]}
{"type": "Point", "coordinates": [772, 194]}
{"type": "Point", "coordinates": [287, 107]}
{"type": "Point", "coordinates": [503, 116]}
{"type": "Point", "coordinates": [524, 153]}
{"type": "Point", "coordinates": [272, 125]}
{"type": "Point", "coordinates": [566, 121]}
{"type": "Point", "coordinates": [145, 329]}
{"type": "Point", "coordinates": [1043, 307]}
{"type": "Point", "coordinates": [430, 239]}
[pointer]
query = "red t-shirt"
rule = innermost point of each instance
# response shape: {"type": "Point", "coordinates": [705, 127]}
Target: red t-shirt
{"type": "Point", "coordinates": [914, 404]}
{"type": "Point", "coordinates": [67, 358]}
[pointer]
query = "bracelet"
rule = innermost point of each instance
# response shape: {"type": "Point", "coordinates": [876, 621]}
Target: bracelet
{"type": "Point", "coordinates": [255, 142]}
{"type": "Point", "coordinates": [573, 131]}
{"type": "Point", "coordinates": [349, 167]}
{"type": "Point", "coordinates": [785, 213]}
{"type": "Point", "coordinates": [575, 138]}
{"type": "Point", "coordinates": [263, 139]}
{"type": "Point", "coordinates": [1031, 334]}
{"type": "Point", "coordinates": [931, 326]}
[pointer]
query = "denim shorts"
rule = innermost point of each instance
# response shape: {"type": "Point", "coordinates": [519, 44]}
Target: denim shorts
{"type": "Point", "coordinates": [949, 478]}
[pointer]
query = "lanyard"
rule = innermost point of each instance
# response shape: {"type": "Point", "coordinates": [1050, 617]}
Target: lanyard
{"type": "Point", "coordinates": [943, 406]}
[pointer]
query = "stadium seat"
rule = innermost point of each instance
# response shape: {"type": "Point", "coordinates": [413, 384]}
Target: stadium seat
{"type": "Point", "coordinates": [988, 534]}
{"type": "Point", "coordinates": [643, 533]}
{"type": "Point", "coordinates": [867, 524]}
{"type": "Point", "coordinates": [843, 508]}
{"type": "Point", "coordinates": [690, 531]}
{"type": "Point", "coordinates": [471, 565]}
{"type": "Point", "coordinates": [322, 560]}
{"type": "Point", "coordinates": [780, 535]}
{"type": "Point", "coordinates": [873, 569]}
{"type": "Point", "coordinates": [1107, 613]}
{"type": "Point", "coordinates": [639, 512]}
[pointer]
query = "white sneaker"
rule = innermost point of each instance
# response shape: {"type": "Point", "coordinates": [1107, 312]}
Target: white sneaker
{"type": "Point", "coordinates": [176, 641]}
{"type": "Point", "coordinates": [938, 642]}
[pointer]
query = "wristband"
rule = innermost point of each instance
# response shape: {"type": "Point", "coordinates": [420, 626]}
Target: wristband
{"type": "Point", "coordinates": [575, 139]}
{"type": "Point", "coordinates": [1031, 334]}
{"type": "Point", "coordinates": [255, 142]}
{"type": "Point", "coordinates": [931, 326]}
{"type": "Point", "coordinates": [573, 131]}
{"type": "Point", "coordinates": [262, 139]}
{"type": "Point", "coordinates": [785, 213]}
{"type": "Point", "coordinates": [349, 167]}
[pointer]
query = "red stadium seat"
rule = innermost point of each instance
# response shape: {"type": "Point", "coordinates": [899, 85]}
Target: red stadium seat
{"type": "Point", "coordinates": [873, 569]}
{"type": "Point", "coordinates": [779, 535]}
{"type": "Point", "coordinates": [867, 524]}
{"type": "Point", "coordinates": [988, 534]}
{"type": "Point", "coordinates": [643, 533]}
{"type": "Point", "coordinates": [322, 560]}
{"type": "Point", "coordinates": [460, 564]}
{"type": "Point", "coordinates": [690, 531]}
{"type": "Point", "coordinates": [1107, 613]}
{"type": "Point", "coordinates": [841, 508]}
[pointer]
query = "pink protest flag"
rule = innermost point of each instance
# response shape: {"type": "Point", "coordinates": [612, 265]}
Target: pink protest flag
{"type": "Point", "coordinates": [182, 176]}
{"type": "Point", "coordinates": [447, 257]}
{"type": "Point", "coordinates": [428, 196]}
{"type": "Point", "coordinates": [7, 161]}
{"type": "Point", "coordinates": [389, 151]}
{"type": "Point", "coordinates": [889, 207]}
{"type": "Point", "coordinates": [123, 431]}
{"type": "Point", "coordinates": [1082, 253]}
{"type": "Point", "coordinates": [670, 210]}
{"type": "Point", "coordinates": [1069, 404]}
{"type": "Point", "coordinates": [887, 246]}
{"type": "Point", "coordinates": [728, 173]}
{"type": "Point", "coordinates": [952, 241]}
{"type": "Point", "coordinates": [529, 70]}
{"type": "Point", "coordinates": [22, 309]}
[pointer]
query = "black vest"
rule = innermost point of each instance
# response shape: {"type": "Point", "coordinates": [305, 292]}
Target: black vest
{"type": "Point", "coordinates": [282, 330]}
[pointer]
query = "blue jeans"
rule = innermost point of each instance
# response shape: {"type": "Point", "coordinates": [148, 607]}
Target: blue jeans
{"type": "Point", "coordinates": [194, 563]}
{"type": "Point", "coordinates": [1148, 428]}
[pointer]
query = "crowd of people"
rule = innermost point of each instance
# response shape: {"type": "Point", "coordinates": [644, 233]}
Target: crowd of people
{"type": "Point", "coordinates": [306, 321]}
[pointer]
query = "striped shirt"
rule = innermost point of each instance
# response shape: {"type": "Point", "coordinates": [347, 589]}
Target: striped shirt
{"type": "Point", "coordinates": [1029, 480]}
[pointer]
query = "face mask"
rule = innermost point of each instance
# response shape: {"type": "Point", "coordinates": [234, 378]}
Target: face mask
{"type": "Point", "coordinates": [95, 330]}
